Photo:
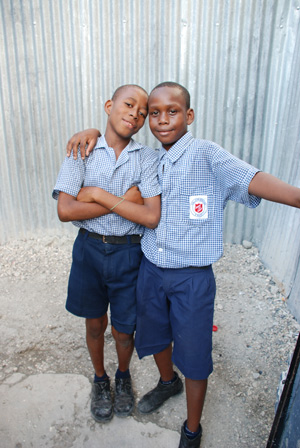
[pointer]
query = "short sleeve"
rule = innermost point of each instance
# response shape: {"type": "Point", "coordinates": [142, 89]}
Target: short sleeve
{"type": "Point", "coordinates": [234, 176]}
{"type": "Point", "coordinates": [70, 178]}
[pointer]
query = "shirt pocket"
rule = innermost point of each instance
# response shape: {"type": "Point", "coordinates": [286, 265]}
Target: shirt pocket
{"type": "Point", "coordinates": [196, 205]}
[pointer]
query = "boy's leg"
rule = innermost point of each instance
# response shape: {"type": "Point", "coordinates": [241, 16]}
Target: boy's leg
{"type": "Point", "coordinates": [87, 297]}
{"type": "Point", "coordinates": [124, 348]}
{"type": "Point", "coordinates": [95, 329]}
{"type": "Point", "coordinates": [191, 430]}
{"type": "Point", "coordinates": [164, 364]}
{"type": "Point", "coordinates": [191, 314]}
{"type": "Point", "coordinates": [124, 398]}
{"type": "Point", "coordinates": [169, 384]}
{"type": "Point", "coordinates": [154, 335]}
{"type": "Point", "coordinates": [101, 400]}
{"type": "Point", "coordinates": [195, 396]}
{"type": "Point", "coordinates": [121, 287]}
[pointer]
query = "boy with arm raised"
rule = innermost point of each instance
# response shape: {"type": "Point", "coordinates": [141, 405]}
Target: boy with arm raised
{"type": "Point", "coordinates": [176, 285]}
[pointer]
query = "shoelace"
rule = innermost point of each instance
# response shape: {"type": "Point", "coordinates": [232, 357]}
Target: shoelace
{"type": "Point", "coordinates": [103, 389]}
{"type": "Point", "coordinates": [124, 387]}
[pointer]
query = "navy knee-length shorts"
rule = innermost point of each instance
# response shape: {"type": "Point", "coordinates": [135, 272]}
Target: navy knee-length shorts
{"type": "Point", "coordinates": [177, 306]}
{"type": "Point", "coordinates": [104, 275]}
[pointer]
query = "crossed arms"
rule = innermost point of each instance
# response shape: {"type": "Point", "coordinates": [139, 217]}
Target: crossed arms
{"type": "Point", "coordinates": [93, 202]}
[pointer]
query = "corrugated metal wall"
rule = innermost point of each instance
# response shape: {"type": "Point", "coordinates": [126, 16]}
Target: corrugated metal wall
{"type": "Point", "coordinates": [60, 61]}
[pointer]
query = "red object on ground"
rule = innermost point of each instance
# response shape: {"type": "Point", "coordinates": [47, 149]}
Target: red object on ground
{"type": "Point", "coordinates": [215, 328]}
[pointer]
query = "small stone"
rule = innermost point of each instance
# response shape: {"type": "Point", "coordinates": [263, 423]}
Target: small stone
{"type": "Point", "coordinates": [247, 244]}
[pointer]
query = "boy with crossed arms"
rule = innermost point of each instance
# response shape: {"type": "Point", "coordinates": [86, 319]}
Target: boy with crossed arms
{"type": "Point", "coordinates": [107, 250]}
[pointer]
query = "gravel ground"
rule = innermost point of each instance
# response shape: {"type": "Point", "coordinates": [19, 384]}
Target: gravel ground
{"type": "Point", "coordinates": [255, 339]}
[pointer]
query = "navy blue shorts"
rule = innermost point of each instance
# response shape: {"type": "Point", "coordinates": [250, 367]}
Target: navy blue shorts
{"type": "Point", "coordinates": [104, 275]}
{"type": "Point", "coordinates": [177, 305]}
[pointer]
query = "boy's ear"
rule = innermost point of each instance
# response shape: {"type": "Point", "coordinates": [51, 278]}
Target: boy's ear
{"type": "Point", "coordinates": [190, 115]}
{"type": "Point", "coordinates": [108, 106]}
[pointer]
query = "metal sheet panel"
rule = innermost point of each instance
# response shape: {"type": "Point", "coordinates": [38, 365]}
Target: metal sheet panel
{"type": "Point", "coordinates": [61, 60]}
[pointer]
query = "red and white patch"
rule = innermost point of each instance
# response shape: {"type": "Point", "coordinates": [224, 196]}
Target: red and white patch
{"type": "Point", "coordinates": [198, 207]}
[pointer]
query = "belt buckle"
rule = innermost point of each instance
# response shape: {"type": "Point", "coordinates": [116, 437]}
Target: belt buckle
{"type": "Point", "coordinates": [103, 239]}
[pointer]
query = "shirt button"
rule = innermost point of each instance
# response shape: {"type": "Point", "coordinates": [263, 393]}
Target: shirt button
{"type": "Point", "coordinates": [160, 249]}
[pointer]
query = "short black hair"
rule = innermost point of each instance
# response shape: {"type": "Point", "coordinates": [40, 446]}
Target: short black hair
{"type": "Point", "coordinates": [172, 84]}
{"type": "Point", "coordinates": [119, 89]}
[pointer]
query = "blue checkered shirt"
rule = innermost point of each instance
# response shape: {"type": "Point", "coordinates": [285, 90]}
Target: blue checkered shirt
{"type": "Point", "coordinates": [198, 178]}
{"type": "Point", "coordinates": [136, 165]}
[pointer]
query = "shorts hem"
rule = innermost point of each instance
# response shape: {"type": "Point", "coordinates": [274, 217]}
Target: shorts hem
{"type": "Point", "coordinates": [90, 315]}
{"type": "Point", "coordinates": [193, 374]}
{"type": "Point", "coordinates": [121, 328]}
{"type": "Point", "coordinates": [148, 351]}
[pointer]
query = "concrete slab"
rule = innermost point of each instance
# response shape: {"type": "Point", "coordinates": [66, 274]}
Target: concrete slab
{"type": "Point", "coordinates": [53, 410]}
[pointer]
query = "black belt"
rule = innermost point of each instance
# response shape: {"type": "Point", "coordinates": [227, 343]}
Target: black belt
{"type": "Point", "coordinates": [200, 267]}
{"type": "Point", "coordinates": [109, 239]}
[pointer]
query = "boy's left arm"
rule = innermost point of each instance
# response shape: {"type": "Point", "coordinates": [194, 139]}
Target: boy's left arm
{"type": "Point", "coordinates": [85, 140]}
{"type": "Point", "coordinates": [269, 187]}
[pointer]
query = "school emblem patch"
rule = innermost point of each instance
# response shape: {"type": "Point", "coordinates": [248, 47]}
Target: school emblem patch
{"type": "Point", "coordinates": [198, 207]}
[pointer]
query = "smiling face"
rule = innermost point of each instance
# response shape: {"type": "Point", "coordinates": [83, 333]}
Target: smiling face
{"type": "Point", "coordinates": [169, 116]}
{"type": "Point", "coordinates": [126, 113]}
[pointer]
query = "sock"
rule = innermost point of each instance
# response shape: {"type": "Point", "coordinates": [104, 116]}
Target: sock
{"type": "Point", "coordinates": [190, 434]}
{"type": "Point", "coordinates": [165, 383]}
{"type": "Point", "coordinates": [97, 379]}
{"type": "Point", "coordinates": [122, 375]}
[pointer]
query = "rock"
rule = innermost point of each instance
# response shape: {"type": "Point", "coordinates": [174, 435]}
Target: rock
{"type": "Point", "coordinates": [247, 244]}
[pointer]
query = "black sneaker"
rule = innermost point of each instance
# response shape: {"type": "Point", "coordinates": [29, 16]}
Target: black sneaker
{"type": "Point", "coordinates": [101, 402]}
{"type": "Point", "coordinates": [157, 396]}
{"type": "Point", "coordinates": [124, 398]}
{"type": "Point", "coordinates": [185, 442]}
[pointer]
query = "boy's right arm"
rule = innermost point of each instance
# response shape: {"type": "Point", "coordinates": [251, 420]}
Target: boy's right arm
{"type": "Point", "coordinates": [86, 139]}
{"type": "Point", "coordinates": [269, 187]}
{"type": "Point", "coordinates": [69, 209]}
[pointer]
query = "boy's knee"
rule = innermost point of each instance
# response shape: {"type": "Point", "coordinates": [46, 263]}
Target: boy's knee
{"type": "Point", "coordinates": [96, 327]}
{"type": "Point", "coordinates": [122, 338]}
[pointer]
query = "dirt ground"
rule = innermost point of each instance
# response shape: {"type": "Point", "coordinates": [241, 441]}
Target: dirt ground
{"type": "Point", "coordinates": [256, 337]}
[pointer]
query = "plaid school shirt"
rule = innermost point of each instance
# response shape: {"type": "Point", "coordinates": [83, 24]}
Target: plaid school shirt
{"type": "Point", "coordinates": [136, 165]}
{"type": "Point", "coordinates": [197, 178]}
